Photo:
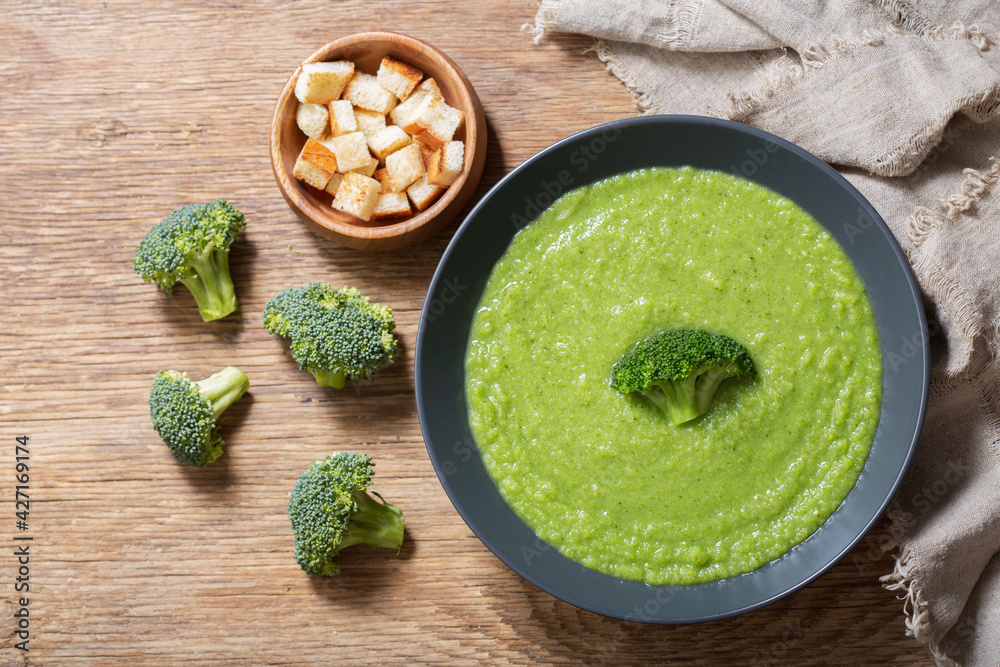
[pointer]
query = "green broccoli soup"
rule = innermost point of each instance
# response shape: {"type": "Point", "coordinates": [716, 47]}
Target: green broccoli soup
{"type": "Point", "coordinates": [606, 478]}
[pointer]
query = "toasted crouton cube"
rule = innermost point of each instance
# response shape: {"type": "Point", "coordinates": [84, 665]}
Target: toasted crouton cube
{"type": "Point", "coordinates": [357, 195]}
{"type": "Point", "coordinates": [313, 120]}
{"type": "Point", "coordinates": [388, 140]}
{"type": "Point", "coordinates": [322, 83]}
{"type": "Point", "coordinates": [309, 173]}
{"type": "Point", "coordinates": [369, 122]}
{"type": "Point", "coordinates": [435, 122]}
{"type": "Point", "coordinates": [405, 113]}
{"type": "Point", "coordinates": [342, 120]}
{"type": "Point", "coordinates": [446, 163]}
{"type": "Point", "coordinates": [397, 77]}
{"type": "Point", "coordinates": [351, 151]}
{"type": "Point", "coordinates": [382, 176]}
{"type": "Point", "coordinates": [316, 164]}
{"type": "Point", "coordinates": [334, 183]}
{"type": "Point", "coordinates": [391, 205]}
{"type": "Point", "coordinates": [368, 169]}
{"type": "Point", "coordinates": [425, 153]}
{"type": "Point", "coordinates": [430, 86]}
{"type": "Point", "coordinates": [422, 193]}
{"type": "Point", "coordinates": [363, 91]}
{"type": "Point", "coordinates": [404, 167]}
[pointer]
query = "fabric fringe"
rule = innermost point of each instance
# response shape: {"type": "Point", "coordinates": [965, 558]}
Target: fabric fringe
{"type": "Point", "coordinates": [783, 70]}
{"type": "Point", "coordinates": [776, 74]}
{"type": "Point", "coordinates": [924, 221]}
{"type": "Point", "coordinates": [958, 30]}
{"type": "Point", "coordinates": [640, 99]}
{"type": "Point", "coordinates": [683, 18]}
{"type": "Point", "coordinates": [904, 15]}
{"type": "Point", "coordinates": [905, 579]}
{"type": "Point", "coordinates": [963, 318]}
{"type": "Point", "coordinates": [908, 19]}
{"type": "Point", "coordinates": [545, 19]}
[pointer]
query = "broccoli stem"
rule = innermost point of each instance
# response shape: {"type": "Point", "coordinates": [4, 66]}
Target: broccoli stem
{"type": "Point", "coordinates": [212, 285]}
{"type": "Point", "coordinates": [335, 379]}
{"type": "Point", "coordinates": [223, 389]}
{"type": "Point", "coordinates": [676, 399]}
{"type": "Point", "coordinates": [377, 524]}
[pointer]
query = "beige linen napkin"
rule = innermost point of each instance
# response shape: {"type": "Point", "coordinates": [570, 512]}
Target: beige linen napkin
{"type": "Point", "coordinates": [902, 97]}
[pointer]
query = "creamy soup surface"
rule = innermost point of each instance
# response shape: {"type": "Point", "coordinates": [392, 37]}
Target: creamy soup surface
{"type": "Point", "coordinates": [606, 479]}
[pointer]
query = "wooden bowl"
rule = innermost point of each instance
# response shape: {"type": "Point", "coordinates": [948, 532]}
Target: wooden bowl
{"type": "Point", "coordinates": [366, 50]}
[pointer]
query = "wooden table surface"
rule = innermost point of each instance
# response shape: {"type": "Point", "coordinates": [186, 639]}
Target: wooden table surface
{"type": "Point", "coordinates": [114, 113]}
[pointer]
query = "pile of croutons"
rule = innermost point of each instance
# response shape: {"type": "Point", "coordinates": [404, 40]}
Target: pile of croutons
{"type": "Point", "coordinates": [382, 145]}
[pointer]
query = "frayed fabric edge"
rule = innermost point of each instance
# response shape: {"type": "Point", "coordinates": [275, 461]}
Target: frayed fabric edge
{"type": "Point", "coordinates": [605, 53]}
{"type": "Point", "coordinates": [961, 313]}
{"type": "Point", "coordinates": [545, 19]}
{"type": "Point", "coordinates": [907, 19]}
{"type": "Point", "coordinates": [905, 579]}
{"type": "Point", "coordinates": [683, 21]}
{"type": "Point", "coordinates": [924, 221]}
{"type": "Point", "coordinates": [783, 70]}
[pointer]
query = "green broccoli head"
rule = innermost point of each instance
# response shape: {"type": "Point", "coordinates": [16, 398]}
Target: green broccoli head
{"type": "Point", "coordinates": [680, 371]}
{"type": "Point", "coordinates": [186, 413]}
{"type": "Point", "coordinates": [335, 334]}
{"type": "Point", "coordinates": [191, 246]}
{"type": "Point", "coordinates": [331, 509]}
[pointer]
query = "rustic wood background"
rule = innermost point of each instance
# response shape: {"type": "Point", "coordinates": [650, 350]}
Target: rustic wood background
{"type": "Point", "coordinates": [114, 113]}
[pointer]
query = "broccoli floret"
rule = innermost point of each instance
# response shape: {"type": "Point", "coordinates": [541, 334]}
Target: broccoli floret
{"type": "Point", "coordinates": [186, 413]}
{"type": "Point", "coordinates": [680, 371]}
{"type": "Point", "coordinates": [331, 509]}
{"type": "Point", "coordinates": [335, 334]}
{"type": "Point", "coordinates": [191, 246]}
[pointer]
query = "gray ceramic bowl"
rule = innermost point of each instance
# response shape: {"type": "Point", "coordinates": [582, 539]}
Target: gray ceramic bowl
{"type": "Point", "coordinates": [624, 146]}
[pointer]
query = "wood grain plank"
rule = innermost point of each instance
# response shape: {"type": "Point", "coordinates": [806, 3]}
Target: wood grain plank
{"type": "Point", "coordinates": [114, 114]}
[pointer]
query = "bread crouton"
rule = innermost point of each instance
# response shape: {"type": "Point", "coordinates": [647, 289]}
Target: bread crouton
{"type": "Point", "coordinates": [397, 77]}
{"type": "Point", "coordinates": [309, 173]}
{"type": "Point", "coordinates": [446, 163]}
{"type": "Point", "coordinates": [388, 140]}
{"type": "Point", "coordinates": [367, 169]}
{"type": "Point", "coordinates": [334, 183]}
{"type": "Point", "coordinates": [316, 164]}
{"type": "Point", "coordinates": [342, 120]}
{"type": "Point", "coordinates": [425, 153]}
{"type": "Point", "coordinates": [404, 167]}
{"type": "Point", "coordinates": [391, 205]}
{"type": "Point", "coordinates": [422, 193]}
{"type": "Point", "coordinates": [322, 83]}
{"type": "Point", "coordinates": [369, 122]}
{"type": "Point", "coordinates": [313, 120]}
{"type": "Point", "coordinates": [357, 195]}
{"type": "Point", "coordinates": [430, 86]}
{"type": "Point", "coordinates": [405, 113]}
{"type": "Point", "coordinates": [363, 91]}
{"type": "Point", "coordinates": [435, 122]}
{"type": "Point", "coordinates": [351, 151]}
